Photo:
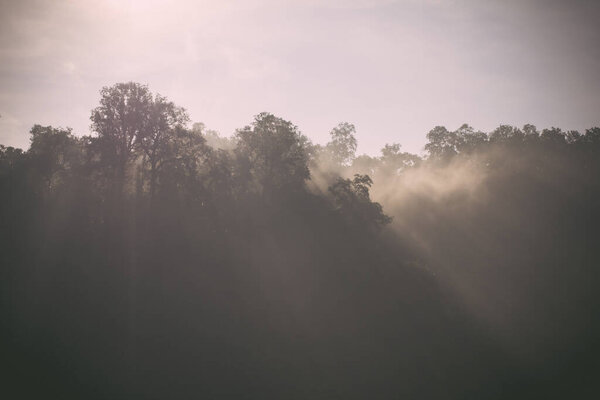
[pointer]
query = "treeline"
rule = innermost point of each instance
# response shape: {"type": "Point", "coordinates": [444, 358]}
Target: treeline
{"type": "Point", "coordinates": [154, 259]}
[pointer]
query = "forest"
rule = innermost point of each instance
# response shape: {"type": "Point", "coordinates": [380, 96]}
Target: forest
{"type": "Point", "coordinates": [157, 259]}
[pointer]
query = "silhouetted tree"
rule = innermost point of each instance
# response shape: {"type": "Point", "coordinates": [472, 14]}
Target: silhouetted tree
{"type": "Point", "coordinates": [122, 119]}
{"type": "Point", "coordinates": [342, 147]}
{"type": "Point", "coordinates": [441, 143]}
{"type": "Point", "coordinates": [394, 161]}
{"type": "Point", "coordinates": [505, 133]}
{"type": "Point", "coordinates": [132, 123]}
{"type": "Point", "coordinates": [274, 154]}
{"type": "Point", "coordinates": [54, 154]}
{"type": "Point", "coordinates": [351, 199]}
{"type": "Point", "coordinates": [163, 135]}
{"type": "Point", "coordinates": [254, 267]}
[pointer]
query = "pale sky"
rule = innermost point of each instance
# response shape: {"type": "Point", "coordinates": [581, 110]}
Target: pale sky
{"type": "Point", "coordinates": [395, 69]}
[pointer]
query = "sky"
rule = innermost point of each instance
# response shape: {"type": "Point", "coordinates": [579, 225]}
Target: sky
{"type": "Point", "coordinates": [395, 69]}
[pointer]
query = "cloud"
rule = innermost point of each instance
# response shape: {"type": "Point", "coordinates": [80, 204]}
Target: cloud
{"type": "Point", "coordinates": [394, 68]}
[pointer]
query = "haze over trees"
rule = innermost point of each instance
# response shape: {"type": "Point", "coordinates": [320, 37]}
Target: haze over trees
{"type": "Point", "coordinates": [158, 259]}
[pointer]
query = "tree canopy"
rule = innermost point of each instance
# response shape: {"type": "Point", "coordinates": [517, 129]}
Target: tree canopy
{"type": "Point", "coordinates": [154, 259]}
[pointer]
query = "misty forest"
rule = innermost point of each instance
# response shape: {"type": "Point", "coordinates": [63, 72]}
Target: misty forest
{"type": "Point", "coordinates": [158, 259]}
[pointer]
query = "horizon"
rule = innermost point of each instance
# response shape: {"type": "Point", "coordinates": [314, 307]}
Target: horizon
{"type": "Point", "coordinates": [394, 69]}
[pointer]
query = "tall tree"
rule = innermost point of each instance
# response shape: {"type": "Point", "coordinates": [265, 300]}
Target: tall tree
{"type": "Point", "coordinates": [132, 122]}
{"type": "Point", "coordinates": [54, 154]}
{"type": "Point", "coordinates": [158, 141]}
{"type": "Point", "coordinates": [275, 154]}
{"type": "Point", "coordinates": [442, 143]}
{"type": "Point", "coordinates": [342, 147]}
{"type": "Point", "coordinates": [120, 121]}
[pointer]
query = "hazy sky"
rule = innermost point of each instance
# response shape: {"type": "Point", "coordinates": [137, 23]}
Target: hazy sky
{"type": "Point", "coordinates": [393, 68]}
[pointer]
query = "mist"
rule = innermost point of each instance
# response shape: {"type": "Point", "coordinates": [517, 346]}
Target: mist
{"type": "Point", "coordinates": [299, 199]}
{"type": "Point", "coordinates": [506, 228]}
{"type": "Point", "coordinates": [157, 258]}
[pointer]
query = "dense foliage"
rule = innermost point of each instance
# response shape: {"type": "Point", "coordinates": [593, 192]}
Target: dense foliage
{"type": "Point", "coordinates": [155, 260]}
